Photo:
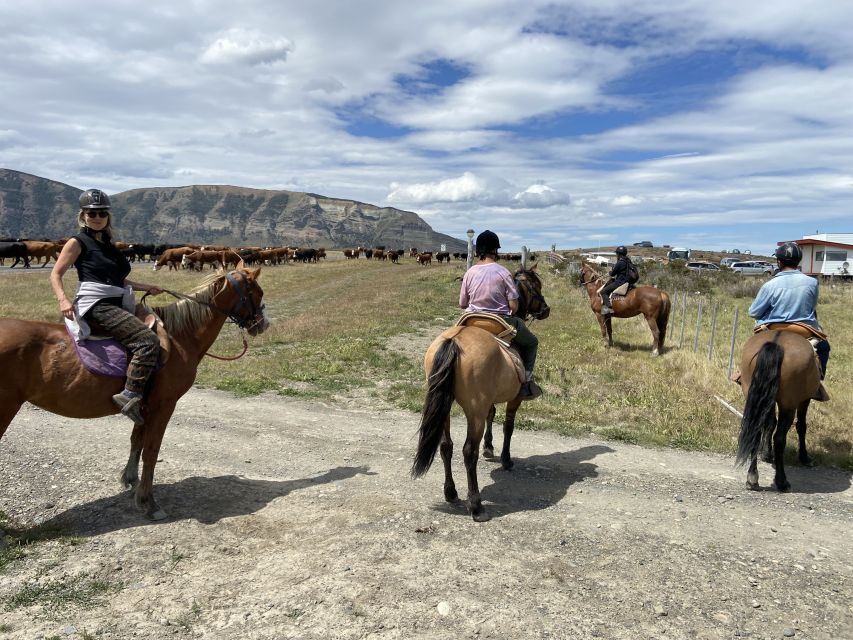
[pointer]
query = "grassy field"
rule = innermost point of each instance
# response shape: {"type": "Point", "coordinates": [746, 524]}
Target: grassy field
{"type": "Point", "coordinates": [345, 329]}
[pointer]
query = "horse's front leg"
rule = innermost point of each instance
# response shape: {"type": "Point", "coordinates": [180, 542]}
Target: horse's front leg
{"type": "Point", "coordinates": [805, 458]}
{"type": "Point", "coordinates": [509, 426]}
{"type": "Point", "coordinates": [608, 327]}
{"type": "Point", "coordinates": [488, 449]}
{"type": "Point", "coordinates": [446, 449]}
{"type": "Point", "coordinates": [156, 420]}
{"type": "Point", "coordinates": [471, 454]}
{"type": "Point", "coordinates": [786, 417]}
{"type": "Point", "coordinates": [130, 476]}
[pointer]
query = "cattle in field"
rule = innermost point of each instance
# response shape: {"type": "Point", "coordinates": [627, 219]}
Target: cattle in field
{"type": "Point", "coordinates": [197, 259]}
{"type": "Point", "coordinates": [413, 252]}
{"type": "Point", "coordinates": [424, 258]}
{"type": "Point", "coordinates": [306, 255]}
{"type": "Point", "coordinates": [442, 256]}
{"type": "Point", "coordinates": [143, 251]}
{"type": "Point", "coordinates": [394, 257]}
{"type": "Point", "coordinates": [249, 256]}
{"type": "Point", "coordinates": [121, 246]}
{"type": "Point", "coordinates": [129, 253]}
{"type": "Point", "coordinates": [321, 253]}
{"type": "Point", "coordinates": [379, 254]}
{"type": "Point", "coordinates": [16, 250]}
{"type": "Point", "coordinates": [214, 247]}
{"type": "Point", "coordinates": [350, 254]}
{"type": "Point", "coordinates": [39, 250]}
{"type": "Point", "coordinates": [368, 253]}
{"type": "Point", "coordinates": [172, 257]}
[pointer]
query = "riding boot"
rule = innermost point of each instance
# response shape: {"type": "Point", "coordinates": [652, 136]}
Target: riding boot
{"type": "Point", "coordinates": [131, 406]}
{"type": "Point", "coordinates": [821, 395]}
{"type": "Point", "coordinates": [529, 390]}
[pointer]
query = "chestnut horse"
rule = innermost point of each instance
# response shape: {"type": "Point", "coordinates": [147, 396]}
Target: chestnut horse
{"type": "Point", "coordinates": [652, 302]}
{"type": "Point", "coordinates": [39, 364]}
{"type": "Point", "coordinates": [778, 369]}
{"type": "Point", "coordinates": [468, 365]}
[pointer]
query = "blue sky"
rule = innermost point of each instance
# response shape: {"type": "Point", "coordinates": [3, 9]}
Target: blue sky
{"type": "Point", "coordinates": [596, 122]}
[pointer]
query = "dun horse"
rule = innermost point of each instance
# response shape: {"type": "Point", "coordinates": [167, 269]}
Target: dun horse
{"type": "Point", "coordinates": [39, 364]}
{"type": "Point", "coordinates": [652, 302]}
{"type": "Point", "coordinates": [778, 369]}
{"type": "Point", "coordinates": [466, 364]}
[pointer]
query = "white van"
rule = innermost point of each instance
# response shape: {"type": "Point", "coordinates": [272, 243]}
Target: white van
{"type": "Point", "coordinates": [678, 253]}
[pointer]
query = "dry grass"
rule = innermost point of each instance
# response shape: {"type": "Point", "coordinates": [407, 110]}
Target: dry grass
{"type": "Point", "coordinates": [337, 329]}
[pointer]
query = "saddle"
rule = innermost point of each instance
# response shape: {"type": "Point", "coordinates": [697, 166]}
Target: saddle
{"type": "Point", "coordinates": [503, 332]}
{"type": "Point", "coordinates": [105, 356]}
{"type": "Point", "coordinates": [619, 292]}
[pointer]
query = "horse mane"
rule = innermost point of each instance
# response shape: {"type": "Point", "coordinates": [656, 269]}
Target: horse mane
{"type": "Point", "coordinates": [188, 314]}
{"type": "Point", "coordinates": [530, 273]}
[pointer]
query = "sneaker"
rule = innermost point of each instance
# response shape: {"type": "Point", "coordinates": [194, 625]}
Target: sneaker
{"type": "Point", "coordinates": [131, 406]}
{"type": "Point", "coordinates": [606, 311]}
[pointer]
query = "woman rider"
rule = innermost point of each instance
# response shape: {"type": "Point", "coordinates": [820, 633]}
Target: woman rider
{"type": "Point", "coordinates": [488, 286]}
{"type": "Point", "coordinates": [104, 299]}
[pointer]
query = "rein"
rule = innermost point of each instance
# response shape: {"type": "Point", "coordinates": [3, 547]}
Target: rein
{"type": "Point", "coordinates": [243, 302]}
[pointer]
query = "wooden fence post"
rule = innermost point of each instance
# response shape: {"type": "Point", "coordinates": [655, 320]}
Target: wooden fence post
{"type": "Point", "coordinates": [732, 346]}
{"type": "Point", "coordinates": [698, 325]}
{"type": "Point", "coordinates": [713, 329]}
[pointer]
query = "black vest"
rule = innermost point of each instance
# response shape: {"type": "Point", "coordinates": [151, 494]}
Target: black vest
{"type": "Point", "coordinates": [100, 261]}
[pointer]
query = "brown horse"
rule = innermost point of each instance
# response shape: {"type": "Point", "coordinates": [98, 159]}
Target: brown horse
{"type": "Point", "coordinates": [778, 369]}
{"type": "Point", "coordinates": [39, 364]}
{"type": "Point", "coordinates": [468, 365]}
{"type": "Point", "coordinates": [652, 302]}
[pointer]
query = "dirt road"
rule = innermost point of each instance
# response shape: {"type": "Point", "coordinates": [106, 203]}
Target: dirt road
{"type": "Point", "coordinates": [299, 520]}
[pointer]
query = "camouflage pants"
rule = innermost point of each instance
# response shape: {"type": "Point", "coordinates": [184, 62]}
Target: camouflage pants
{"type": "Point", "coordinates": [139, 340]}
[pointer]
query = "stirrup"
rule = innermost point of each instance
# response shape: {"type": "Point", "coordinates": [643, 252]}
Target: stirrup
{"type": "Point", "coordinates": [130, 407]}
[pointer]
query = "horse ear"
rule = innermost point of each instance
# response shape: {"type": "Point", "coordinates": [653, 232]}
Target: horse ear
{"type": "Point", "coordinates": [254, 274]}
{"type": "Point", "coordinates": [535, 264]}
{"type": "Point", "coordinates": [241, 266]}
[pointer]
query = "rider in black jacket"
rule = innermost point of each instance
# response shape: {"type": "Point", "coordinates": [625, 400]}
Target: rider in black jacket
{"type": "Point", "coordinates": [618, 275]}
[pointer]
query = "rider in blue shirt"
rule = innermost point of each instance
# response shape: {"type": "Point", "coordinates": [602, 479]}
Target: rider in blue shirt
{"type": "Point", "coordinates": [790, 296]}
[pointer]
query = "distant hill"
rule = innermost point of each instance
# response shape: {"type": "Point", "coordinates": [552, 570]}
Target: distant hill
{"type": "Point", "coordinates": [34, 207]}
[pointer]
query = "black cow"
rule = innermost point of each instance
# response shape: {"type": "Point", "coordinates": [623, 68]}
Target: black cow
{"type": "Point", "coordinates": [16, 250]}
{"type": "Point", "coordinates": [306, 255]}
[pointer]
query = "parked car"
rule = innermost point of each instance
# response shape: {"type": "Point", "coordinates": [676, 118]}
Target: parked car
{"type": "Point", "coordinates": [644, 243]}
{"type": "Point", "coordinates": [705, 267]}
{"type": "Point", "coordinates": [728, 262]}
{"type": "Point", "coordinates": [752, 269]}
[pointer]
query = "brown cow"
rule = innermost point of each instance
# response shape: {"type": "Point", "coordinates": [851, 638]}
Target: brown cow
{"type": "Point", "coordinates": [39, 250]}
{"type": "Point", "coordinates": [424, 258]}
{"type": "Point", "coordinates": [172, 257]}
{"type": "Point", "coordinates": [379, 254]}
{"type": "Point", "coordinates": [197, 259]}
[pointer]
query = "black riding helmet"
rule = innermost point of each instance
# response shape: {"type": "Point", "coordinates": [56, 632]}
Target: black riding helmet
{"type": "Point", "coordinates": [621, 250]}
{"type": "Point", "coordinates": [94, 199]}
{"type": "Point", "coordinates": [789, 254]}
{"type": "Point", "coordinates": [487, 242]}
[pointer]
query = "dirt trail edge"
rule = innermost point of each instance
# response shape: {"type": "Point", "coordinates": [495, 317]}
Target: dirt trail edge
{"type": "Point", "coordinates": [291, 519]}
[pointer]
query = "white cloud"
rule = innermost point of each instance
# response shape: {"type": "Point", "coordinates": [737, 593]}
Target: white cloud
{"type": "Point", "coordinates": [540, 196]}
{"type": "Point", "coordinates": [246, 46]}
{"type": "Point", "coordinates": [624, 201]}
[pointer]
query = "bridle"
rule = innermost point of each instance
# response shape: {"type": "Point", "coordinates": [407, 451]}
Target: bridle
{"type": "Point", "coordinates": [584, 282]}
{"type": "Point", "coordinates": [531, 295]}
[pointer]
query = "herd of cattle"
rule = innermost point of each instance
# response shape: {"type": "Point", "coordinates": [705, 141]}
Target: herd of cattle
{"type": "Point", "coordinates": [192, 256]}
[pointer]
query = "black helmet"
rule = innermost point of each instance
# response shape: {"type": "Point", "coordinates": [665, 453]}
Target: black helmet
{"type": "Point", "coordinates": [621, 250]}
{"type": "Point", "coordinates": [789, 254]}
{"type": "Point", "coordinates": [487, 242]}
{"type": "Point", "coordinates": [94, 199]}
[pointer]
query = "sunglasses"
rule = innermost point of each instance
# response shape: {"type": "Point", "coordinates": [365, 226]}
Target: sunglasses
{"type": "Point", "coordinates": [98, 213]}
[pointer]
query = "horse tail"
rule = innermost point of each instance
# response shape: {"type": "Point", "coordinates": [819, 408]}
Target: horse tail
{"type": "Point", "coordinates": [759, 413]}
{"type": "Point", "coordinates": [439, 399]}
{"type": "Point", "coordinates": [663, 317]}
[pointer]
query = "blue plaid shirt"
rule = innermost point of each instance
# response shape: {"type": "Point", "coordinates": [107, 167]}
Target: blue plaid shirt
{"type": "Point", "coordinates": [790, 296]}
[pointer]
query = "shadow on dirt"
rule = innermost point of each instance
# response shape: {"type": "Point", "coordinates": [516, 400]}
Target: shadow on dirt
{"type": "Point", "coordinates": [535, 483]}
{"type": "Point", "coordinates": [206, 500]}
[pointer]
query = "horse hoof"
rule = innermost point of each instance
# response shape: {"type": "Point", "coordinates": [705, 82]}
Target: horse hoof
{"type": "Point", "coordinates": [784, 487]}
{"type": "Point", "coordinates": [507, 464]}
{"type": "Point", "coordinates": [807, 462]}
{"type": "Point", "coordinates": [488, 452]}
{"type": "Point", "coordinates": [481, 516]}
{"type": "Point", "coordinates": [752, 486]}
{"type": "Point", "coordinates": [450, 495]}
{"type": "Point", "coordinates": [655, 353]}
{"type": "Point", "coordinates": [158, 515]}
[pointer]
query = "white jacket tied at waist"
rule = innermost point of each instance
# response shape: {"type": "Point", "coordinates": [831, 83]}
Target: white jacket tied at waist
{"type": "Point", "coordinates": [88, 294]}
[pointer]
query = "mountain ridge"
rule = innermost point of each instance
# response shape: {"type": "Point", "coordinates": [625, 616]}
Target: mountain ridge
{"type": "Point", "coordinates": [36, 207]}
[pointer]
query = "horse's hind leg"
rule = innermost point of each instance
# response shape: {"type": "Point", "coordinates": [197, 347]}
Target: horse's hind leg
{"type": "Point", "coordinates": [446, 450]}
{"type": "Point", "coordinates": [653, 325]}
{"type": "Point", "coordinates": [805, 458]}
{"type": "Point", "coordinates": [130, 476]}
{"type": "Point", "coordinates": [509, 427]}
{"type": "Point", "coordinates": [786, 417]}
{"type": "Point", "coordinates": [488, 449]}
{"type": "Point", "coordinates": [752, 473]}
{"type": "Point", "coordinates": [8, 409]}
{"type": "Point", "coordinates": [471, 454]}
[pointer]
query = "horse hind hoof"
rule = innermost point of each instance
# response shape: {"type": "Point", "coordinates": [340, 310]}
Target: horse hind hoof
{"type": "Point", "coordinates": [785, 487]}
{"type": "Point", "coordinates": [481, 516]}
{"type": "Point", "coordinates": [158, 515]}
{"type": "Point", "coordinates": [488, 452]}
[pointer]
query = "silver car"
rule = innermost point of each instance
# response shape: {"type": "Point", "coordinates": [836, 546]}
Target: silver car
{"type": "Point", "coordinates": [752, 268]}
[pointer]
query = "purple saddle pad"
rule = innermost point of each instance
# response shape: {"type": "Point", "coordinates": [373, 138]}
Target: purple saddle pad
{"type": "Point", "coordinates": [103, 357]}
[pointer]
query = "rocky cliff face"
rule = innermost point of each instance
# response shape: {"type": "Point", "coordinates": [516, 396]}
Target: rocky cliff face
{"type": "Point", "coordinates": [36, 207]}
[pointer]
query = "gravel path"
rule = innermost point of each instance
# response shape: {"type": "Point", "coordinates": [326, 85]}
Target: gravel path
{"type": "Point", "coordinates": [299, 520]}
